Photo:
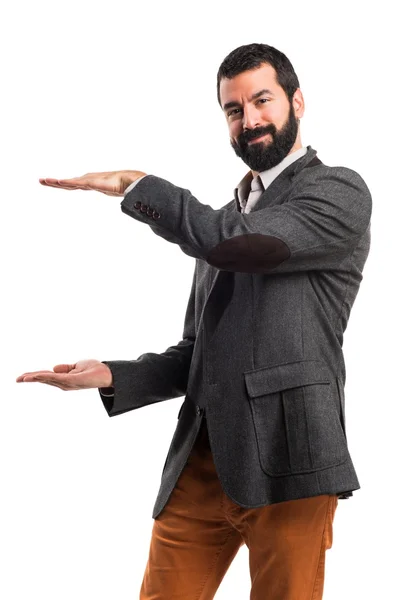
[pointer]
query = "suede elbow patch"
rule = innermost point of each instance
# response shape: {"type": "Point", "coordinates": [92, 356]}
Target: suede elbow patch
{"type": "Point", "coordinates": [249, 253]}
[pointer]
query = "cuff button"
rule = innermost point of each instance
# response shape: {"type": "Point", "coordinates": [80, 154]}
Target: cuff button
{"type": "Point", "coordinates": [137, 204]}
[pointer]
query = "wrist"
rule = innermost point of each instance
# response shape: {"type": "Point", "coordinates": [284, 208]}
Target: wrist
{"type": "Point", "coordinates": [130, 177]}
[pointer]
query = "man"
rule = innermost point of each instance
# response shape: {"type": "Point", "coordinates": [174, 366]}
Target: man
{"type": "Point", "coordinates": [260, 454]}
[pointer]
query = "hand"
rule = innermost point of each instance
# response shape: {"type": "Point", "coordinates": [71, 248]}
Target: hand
{"type": "Point", "coordinates": [82, 375]}
{"type": "Point", "coordinates": [112, 183]}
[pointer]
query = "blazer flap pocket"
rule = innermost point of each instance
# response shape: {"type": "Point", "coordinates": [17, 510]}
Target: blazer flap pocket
{"type": "Point", "coordinates": [268, 380]}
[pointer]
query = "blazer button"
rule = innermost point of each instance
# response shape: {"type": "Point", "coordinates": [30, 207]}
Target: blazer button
{"type": "Point", "coordinates": [199, 410]}
{"type": "Point", "coordinates": [156, 215]}
{"type": "Point", "coordinates": [137, 204]}
{"type": "Point", "coordinates": [143, 208]}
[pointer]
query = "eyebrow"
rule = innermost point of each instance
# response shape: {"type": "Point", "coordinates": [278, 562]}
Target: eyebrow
{"type": "Point", "coordinates": [254, 96]}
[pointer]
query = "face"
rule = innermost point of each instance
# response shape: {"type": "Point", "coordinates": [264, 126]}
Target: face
{"type": "Point", "coordinates": [263, 125]}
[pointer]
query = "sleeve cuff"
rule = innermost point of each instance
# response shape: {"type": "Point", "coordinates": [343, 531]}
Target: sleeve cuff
{"type": "Point", "coordinates": [109, 392]}
{"type": "Point", "coordinates": [132, 185]}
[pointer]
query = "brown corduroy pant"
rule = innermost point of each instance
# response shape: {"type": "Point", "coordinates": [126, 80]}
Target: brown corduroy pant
{"type": "Point", "coordinates": [200, 530]}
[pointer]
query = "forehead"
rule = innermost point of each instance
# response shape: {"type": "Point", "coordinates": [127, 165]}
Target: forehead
{"type": "Point", "coordinates": [247, 83]}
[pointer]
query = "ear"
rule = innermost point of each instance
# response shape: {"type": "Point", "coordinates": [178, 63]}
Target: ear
{"type": "Point", "coordinates": [298, 103]}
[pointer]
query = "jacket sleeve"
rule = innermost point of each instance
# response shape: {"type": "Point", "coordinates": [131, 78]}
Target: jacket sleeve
{"type": "Point", "coordinates": [152, 377]}
{"type": "Point", "coordinates": [318, 225]}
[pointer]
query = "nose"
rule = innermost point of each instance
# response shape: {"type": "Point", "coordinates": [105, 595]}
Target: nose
{"type": "Point", "coordinates": [251, 117]}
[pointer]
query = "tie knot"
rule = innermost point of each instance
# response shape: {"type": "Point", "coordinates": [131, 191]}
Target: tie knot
{"type": "Point", "coordinates": [256, 184]}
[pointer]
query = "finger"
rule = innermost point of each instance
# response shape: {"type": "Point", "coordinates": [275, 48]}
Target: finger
{"type": "Point", "coordinates": [30, 373]}
{"type": "Point", "coordinates": [57, 382]}
{"type": "Point", "coordinates": [32, 378]}
{"type": "Point", "coordinates": [52, 383]}
{"type": "Point", "coordinates": [55, 184]}
{"type": "Point", "coordinates": [78, 183]}
{"type": "Point", "coordinates": [58, 183]}
{"type": "Point", "coordinates": [44, 376]}
{"type": "Point", "coordinates": [83, 180]}
{"type": "Point", "coordinates": [73, 181]}
{"type": "Point", "coordinates": [63, 368]}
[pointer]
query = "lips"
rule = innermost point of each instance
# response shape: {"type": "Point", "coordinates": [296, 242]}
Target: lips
{"type": "Point", "coordinates": [258, 138]}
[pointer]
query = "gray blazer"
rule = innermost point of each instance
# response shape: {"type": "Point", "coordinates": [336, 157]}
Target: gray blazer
{"type": "Point", "coordinates": [261, 350]}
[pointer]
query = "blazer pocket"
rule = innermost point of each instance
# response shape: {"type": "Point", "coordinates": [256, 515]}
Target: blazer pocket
{"type": "Point", "coordinates": [296, 420]}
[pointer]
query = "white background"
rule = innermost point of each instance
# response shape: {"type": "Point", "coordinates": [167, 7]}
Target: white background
{"type": "Point", "coordinates": [98, 87]}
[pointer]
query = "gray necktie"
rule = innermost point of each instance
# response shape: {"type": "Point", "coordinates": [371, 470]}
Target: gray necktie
{"type": "Point", "coordinates": [256, 190]}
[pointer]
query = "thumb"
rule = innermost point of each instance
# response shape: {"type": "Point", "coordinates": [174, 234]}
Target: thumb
{"type": "Point", "coordinates": [63, 368]}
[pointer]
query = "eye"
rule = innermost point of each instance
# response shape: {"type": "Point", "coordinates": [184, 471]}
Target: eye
{"type": "Point", "coordinates": [233, 111]}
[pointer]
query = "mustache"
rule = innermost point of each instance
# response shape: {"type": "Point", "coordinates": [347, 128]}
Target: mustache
{"type": "Point", "coordinates": [247, 136]}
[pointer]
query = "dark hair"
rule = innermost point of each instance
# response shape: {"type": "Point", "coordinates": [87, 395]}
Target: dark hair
{"type": "Point", "coordinates": [252, 56]}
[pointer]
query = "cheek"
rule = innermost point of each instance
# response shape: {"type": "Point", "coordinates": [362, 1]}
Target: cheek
{"type": "Point", "coordinates": [234, 130]}
{"type": "Point", "coordinates": [271, 114]}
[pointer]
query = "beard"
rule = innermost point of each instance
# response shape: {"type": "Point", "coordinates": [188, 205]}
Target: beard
{"type": "Point", "coordinates": [266, 154]}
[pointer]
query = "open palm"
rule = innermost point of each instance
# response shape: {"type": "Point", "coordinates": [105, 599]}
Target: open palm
{"type": "Point", "coordinates": [112, 183]}
{"type": "Point", "coordinates": [79, 376]}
